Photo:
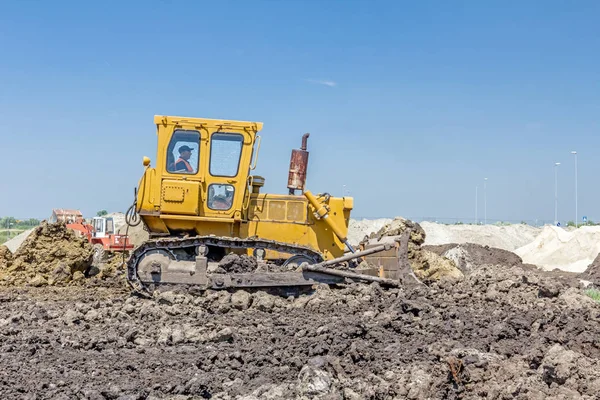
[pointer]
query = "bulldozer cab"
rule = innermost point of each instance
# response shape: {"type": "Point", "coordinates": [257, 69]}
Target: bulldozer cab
{"type": "Point", "coordinates": [204, 165]}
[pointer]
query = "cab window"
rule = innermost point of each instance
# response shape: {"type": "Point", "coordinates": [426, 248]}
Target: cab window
{"type": "Point", "coordinates": [225, 152]}
{"type": "Point", "coordinates": [110, 226]}
{"type": "Point", "coordinates": [183, 152]}
{"type": "Point", "coordinates": [220, 197]}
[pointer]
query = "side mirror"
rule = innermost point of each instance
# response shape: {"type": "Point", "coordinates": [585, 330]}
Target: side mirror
{"type": "Point", "coordinates": [146, 161]}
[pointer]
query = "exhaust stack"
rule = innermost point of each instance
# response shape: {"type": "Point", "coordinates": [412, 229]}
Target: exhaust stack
{"type": "Point", "coordinates": [298, 166]}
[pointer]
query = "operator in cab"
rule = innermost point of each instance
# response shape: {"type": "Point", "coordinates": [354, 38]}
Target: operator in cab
{"type": "Point", "coordinates": [182, 163]}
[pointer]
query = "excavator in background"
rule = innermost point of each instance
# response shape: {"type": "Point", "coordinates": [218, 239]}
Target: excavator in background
{"type": "Point", "coordinates": [201, 201]}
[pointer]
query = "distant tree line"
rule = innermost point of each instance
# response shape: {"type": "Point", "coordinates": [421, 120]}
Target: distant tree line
{"type": "Point", "coordinates": [13, 223]}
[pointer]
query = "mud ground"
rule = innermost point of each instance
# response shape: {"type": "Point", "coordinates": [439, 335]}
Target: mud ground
{"type": "Point", "coordinates": [499, 333]}
{"type": "Point", "coordinates": [498, 329]}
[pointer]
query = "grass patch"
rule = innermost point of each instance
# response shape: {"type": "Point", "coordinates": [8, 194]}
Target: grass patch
{"type": "Point", "coordinates": [593, 293]}
{"type": "Point", "coordinates": [5, 236]}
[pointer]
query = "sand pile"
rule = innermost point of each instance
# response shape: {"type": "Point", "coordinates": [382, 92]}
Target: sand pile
{"type": "Point", "coordinates": [358, 229]}
{"type": "Point", "coordinates": [557, 248]}
{"type": "Point", "coordinates": [51, 254]}
{"type": "Point", "coordinates": [427, 265]}
{"type": "Point", "coordinates": [509, 237]}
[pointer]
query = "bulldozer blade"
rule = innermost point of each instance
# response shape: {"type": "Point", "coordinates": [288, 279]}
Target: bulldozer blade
{"type": "Point", "coordinates": [392, 263]}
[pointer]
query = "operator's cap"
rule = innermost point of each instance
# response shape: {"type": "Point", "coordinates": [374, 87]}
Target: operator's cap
{"type": "Point", "coordinates": [185, 148]}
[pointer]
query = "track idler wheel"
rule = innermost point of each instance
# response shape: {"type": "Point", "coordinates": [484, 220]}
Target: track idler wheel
{"type": "Point", "coordinates": [293, 263]}
{"type": "Point", "coordinates": [152, 265]}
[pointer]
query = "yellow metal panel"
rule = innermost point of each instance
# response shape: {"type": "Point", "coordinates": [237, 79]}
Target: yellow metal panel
{"type": "Point", "coordinates": [296, 211]}
{"type": "Point", "coordinates": [172, 120]}
{"type": "Point", "coordinates": [173, 194]}
{"type": "Point", "coordinates": [277, 210]}
{"type": "Point", "coordinates": [180, 197]}
{"type": "Point", "coordinates": [257, 209]}
{"type": "Point", "coordinates": [348, 203]}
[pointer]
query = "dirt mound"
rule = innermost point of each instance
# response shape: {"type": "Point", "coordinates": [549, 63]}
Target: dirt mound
{"type": "Point", "coordinates": [51, 254]}
{"type": "Point", "coordinates": [592, 273]}
{"type": "Point", "coordinates": [397, 227]}
{"type": "Point", "coordinates": [469, 256]}
{"type": "Point", "coordinates": [501, 332]}
{"type": "Point", "coordinates": [5, 257]}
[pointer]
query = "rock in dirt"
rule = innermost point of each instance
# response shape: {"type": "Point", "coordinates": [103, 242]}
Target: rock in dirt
{"type": "Point", "coordinates": [241, 300]}
{"type": "Point", "coordinates": [313, 381]}
{"type": "Point", "coordinates": [38, 281]}
{"type": "Point", "coordinates": [397, 227]}
{"type": "Point", "coordinates": [51, 251]}
{"type": "Point", "coordinates": [429, 266]}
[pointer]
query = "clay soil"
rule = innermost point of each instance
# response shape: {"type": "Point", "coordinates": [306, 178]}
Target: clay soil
{"type": "Point", "coordinates": [501, 332]}
{"type": "Point", "coordinates": [592, 273]}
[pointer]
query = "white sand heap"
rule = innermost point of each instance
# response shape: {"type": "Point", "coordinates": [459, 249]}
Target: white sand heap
{"type": "Point", "coordinates": [509, 237]}
{"type": "Point", "coordinates": [358, 229]}
{"type": "Point", "coordinates": [566, 250]}
{"type": "Point", "coordinates": [506, 237]}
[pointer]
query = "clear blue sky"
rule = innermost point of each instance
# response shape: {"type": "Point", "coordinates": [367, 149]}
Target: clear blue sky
{"type": "Point", "coordinates": [409, 104]}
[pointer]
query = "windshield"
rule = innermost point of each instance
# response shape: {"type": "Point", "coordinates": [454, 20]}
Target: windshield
{"type": "Point", "coordinates": [225, 152]}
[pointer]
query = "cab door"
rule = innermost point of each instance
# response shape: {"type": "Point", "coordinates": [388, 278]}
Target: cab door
{"type": "Point", "coordinates": [180, 187]}
{"type": "Point", "coordinates": [227, 172]}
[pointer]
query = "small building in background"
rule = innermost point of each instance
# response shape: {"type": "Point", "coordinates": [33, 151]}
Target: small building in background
{"type": "Point", "coordinates": [64, 215]}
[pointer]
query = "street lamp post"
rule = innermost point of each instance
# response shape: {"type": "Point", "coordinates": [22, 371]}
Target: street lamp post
{"type": "Point", "coordinates": [556, 193]}
{"type": "Point", "coordinates": [476, 212]}
{"type": "Point", "coordinates": [576, 216]}
{"type": "Point", "coordinates": [485, 201]}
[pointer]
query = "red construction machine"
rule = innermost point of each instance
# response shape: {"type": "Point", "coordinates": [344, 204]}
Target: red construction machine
{"type": "Point", "coordinates": [100, 233]}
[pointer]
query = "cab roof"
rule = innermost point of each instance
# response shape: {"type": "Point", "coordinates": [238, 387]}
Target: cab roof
{"type": "Point", "coordinates": [175, 120]}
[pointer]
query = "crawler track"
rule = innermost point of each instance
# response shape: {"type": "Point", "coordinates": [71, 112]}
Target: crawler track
{"type": "Point", "coordinates": [170, 245]}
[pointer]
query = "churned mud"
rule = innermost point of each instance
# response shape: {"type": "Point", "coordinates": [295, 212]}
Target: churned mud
{"type": "Point", "coordinates": [484, 325]}
{"type": "Point", "coordinates": [498, 333]}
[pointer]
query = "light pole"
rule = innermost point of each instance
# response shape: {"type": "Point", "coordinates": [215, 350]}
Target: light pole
{"type": "Point", "coordinates": [476, 213]}
{"type": "Point", "coordinates": [556, 193]}
{"type": "Point", "coordinates": [576, 216]}
{"type": "Point", "coordinates": [485, 201]}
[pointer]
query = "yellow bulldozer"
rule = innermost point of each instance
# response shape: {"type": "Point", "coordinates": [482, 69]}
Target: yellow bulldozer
{"type": "Point", "coordinates": [201, 202]}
